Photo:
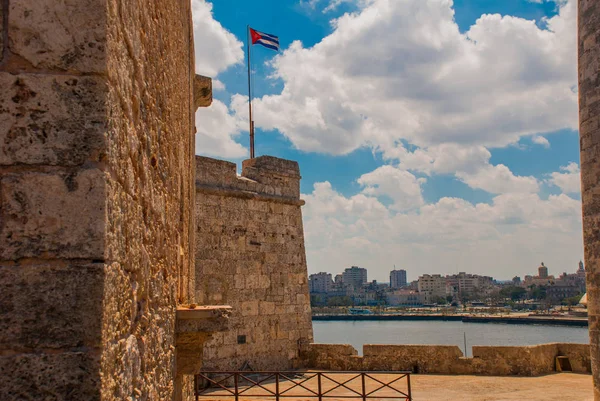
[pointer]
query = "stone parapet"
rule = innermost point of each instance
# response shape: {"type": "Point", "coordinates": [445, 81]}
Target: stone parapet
{"type": "Point", "coordinates": [265, 176]}
{"type": "Point", "coordinates": [532, 360]}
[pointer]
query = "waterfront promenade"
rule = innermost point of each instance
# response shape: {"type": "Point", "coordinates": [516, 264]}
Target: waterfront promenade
{"type": "Point", "coordinates": [506, 319]}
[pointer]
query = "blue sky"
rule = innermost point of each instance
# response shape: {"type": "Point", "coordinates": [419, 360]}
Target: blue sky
{"type": "Point", "coordinates": [433, 135]}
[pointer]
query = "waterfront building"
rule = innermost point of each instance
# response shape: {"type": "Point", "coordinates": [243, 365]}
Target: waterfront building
{"type": "Point", "coordinates": [560, 290]}
{"type": "Point", "coordinates": [320, 282]}
{"type": "Point", "coordinates": [398, 278]}
{"type": "Point", "coordinates": [581, 271]}
{"type": "Point", "coordinates": [463, 284]}
{"type": "Point", "coordinates": [541, 280]}
{"type": "Point", "coordinates": [355, 276]}
{"type": "Point", "coordinates": [402, 297]}
{"type": "Point", "coordinates": [542, 271]}
{"type": "Point", "coordinates": [432, 286]}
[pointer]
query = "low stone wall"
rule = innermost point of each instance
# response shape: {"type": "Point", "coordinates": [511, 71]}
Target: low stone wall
{"type": "Point", "coordinates": [532, 360]}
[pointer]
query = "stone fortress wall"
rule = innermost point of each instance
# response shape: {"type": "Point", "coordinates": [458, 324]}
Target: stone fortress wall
{"type": "Point", "coordinates": [532, 360]}
{"type": "Point", "coordinates": [96, 196]}
{"type": "Point", "coordinates": [250, 255]}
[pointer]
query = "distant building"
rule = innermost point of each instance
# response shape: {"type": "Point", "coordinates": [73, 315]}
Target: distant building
{"type": "Point", "coordinates": [354, 276]}
{"type": "Point", "coordinates": [338, 279]}
{"type": "Point", "coordinates": [542, 271]}
{"type": "Point", "coordinates": [432, 286]}
{"type": "Point", "coordinates": [541, 280]}
{"type": "Point", "coordinates": [463, 284]}
{"type": "Point", "coordinates": [581, 270]}
{"type": "Point", "coordinates": [404, 298]}
{"type": "Point", "coordinates": [398, 278]}
{"type": "Point", "coordinates": [560, 290]}
{"type": "Point", "coordinates": [516, 280]}
{"type": "Point", "coordinates": [320, 282]}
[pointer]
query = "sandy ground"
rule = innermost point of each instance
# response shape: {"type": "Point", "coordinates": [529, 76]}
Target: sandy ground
{"type": "Point", "coordinates": [559, 387]}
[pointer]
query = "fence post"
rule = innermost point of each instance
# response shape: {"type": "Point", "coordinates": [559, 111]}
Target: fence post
{"type": "Point", "coordinates": [235, 381]}
{"type": "Point", "coordinates": [276, 386]}
{"type": "Point", "coordinates": [364, 387]}
{"type": "Point", "coordinates": [319, 386]}
{"type": "Point", "coordinates": [409, 393]}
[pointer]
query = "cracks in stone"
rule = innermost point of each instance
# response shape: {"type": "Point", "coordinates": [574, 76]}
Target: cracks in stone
{"type": "Point", "coordinates": [49, 351]}
{"type": "Point", "coordinates": [4, 33]}
{"type": "Point", "coordinates": [59, 262]}
{"type": "Point", "coordinates": [51, 169]}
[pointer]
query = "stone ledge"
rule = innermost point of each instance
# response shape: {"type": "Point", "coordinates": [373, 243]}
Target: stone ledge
{"type": "Point", "coordinates": [203, 312]}
{"type": "Point", "coordinates": [240, 193]}
{"type": "Point", "coordinates": [193, 327]}
{"type": "Point", "coordinates": [202, 91]}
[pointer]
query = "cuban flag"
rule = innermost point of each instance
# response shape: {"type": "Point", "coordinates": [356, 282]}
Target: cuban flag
{"type": "Point", "coordinates": [265, 39]}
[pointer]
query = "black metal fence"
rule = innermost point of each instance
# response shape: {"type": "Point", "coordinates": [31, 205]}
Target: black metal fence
{"type": "Point", "coordinates": [311, 385]}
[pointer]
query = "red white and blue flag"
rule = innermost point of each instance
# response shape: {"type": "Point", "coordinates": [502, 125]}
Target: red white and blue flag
{"type": "Point", "coordinates": [265, 39]}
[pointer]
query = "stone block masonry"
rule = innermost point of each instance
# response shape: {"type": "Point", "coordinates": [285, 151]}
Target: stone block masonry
{"type": "Point", "coordinates": [532, 360]}
{"type": "Point", "coordinates": [588, 26]}
{"type": "Point", "coordinates": [250, 255]}
{"type": "Point", "coordinates": [96, 196]}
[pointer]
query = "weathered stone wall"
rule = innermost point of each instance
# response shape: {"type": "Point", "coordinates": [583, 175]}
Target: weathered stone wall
{"type": "Point", "coordinates": [589, 132]}
{"type": "Point", "coordinates": [448, 359]}
{"type": "Point", "coordinates": [96, 196]}
{"type": "Point", "coordinates": [250, 255]}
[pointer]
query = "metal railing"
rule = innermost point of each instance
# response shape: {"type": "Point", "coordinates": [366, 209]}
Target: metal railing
{"type": "Point", "coordinates": [319, 385]}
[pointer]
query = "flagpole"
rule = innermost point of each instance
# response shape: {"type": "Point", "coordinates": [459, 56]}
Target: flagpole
{"type": "Point", "coordinates": [251, 128]}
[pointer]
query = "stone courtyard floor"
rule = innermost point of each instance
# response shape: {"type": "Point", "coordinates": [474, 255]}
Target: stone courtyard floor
{"type": "Point", "coordinates": [559, 387]}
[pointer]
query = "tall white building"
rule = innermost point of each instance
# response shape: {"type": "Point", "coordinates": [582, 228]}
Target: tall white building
{"type": "Point", "coordinates": [355, 276]}
{"type": "Point", "coordinates": [320, 282]}
{"type": "Point", "coordinates": [432, 286]}
{"type": "Point", "coordinates": [398, 278]}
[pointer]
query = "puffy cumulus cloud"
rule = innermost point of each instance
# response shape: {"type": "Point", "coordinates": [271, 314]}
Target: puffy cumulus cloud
{"type": "Point", "coordinates": [569, 180]}
{"type": "Point", "coordinates": [498, 179]}
{"type": "Point", "coordinates": [540, 140]}
{"type": "Point", "coordinates": [470, 164]}
{"type": "Point", "coordinates": [399, 185]}
{"type": "Point", "coordinates": [505, 238]}
{"type": "Point", "coordinates": [215, 47]}
{"type": "Point", "coordinates": [402, 70]}
{"type": "Point", "coordinates": [445, 158]}
{"type": "Point", "coordinates": [216, 132]}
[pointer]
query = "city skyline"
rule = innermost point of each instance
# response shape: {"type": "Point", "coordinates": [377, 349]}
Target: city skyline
{"type": "Point", "coordinates": [414, 276]}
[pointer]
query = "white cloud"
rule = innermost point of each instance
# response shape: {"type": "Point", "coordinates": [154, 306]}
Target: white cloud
{"type": "Point", "coordinates": [218, 85]}
{"type": "Point", "coordinates": [401, 186]}
{"type": "Point", "coordinates": [470, 164]}
{"type": "Point", "coordinates": [506, 238]}
{"type": "Point", "coordinates": [569, 181]}
{"type": "Point", "coordinates": [401, 69]}
{"type": "Point", "coordinates": [499, 179]}
{"type": "Point", "coordinates": [540, 140]}
{"type": "Point", "coordinates": [215, 47]}
{"type": "Point", "coordinates": [216, 132]}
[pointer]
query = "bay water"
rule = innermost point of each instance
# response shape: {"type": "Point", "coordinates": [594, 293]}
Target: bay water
{"type": "Point", "coordinates": [357, 333]}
